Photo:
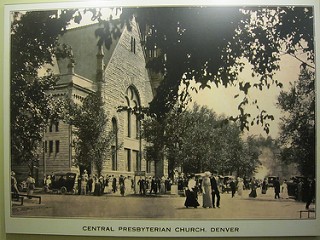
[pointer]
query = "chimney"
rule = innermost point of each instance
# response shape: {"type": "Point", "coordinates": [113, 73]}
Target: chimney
{"type": "Point", "coordinates": [71, 67]}
{"type": "Point", "coordinates": [100, 64]}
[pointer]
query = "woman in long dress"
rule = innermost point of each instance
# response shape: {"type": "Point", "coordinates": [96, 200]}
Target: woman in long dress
{"type": "Point", "coordinates": [191, 193]}
{"type": "Point", "coordinates": [264, 187]}
{"type": "Point", "coordinates": [240, 187]}
{"type": "Point", "coordinates": [206, 191]}
{"type": "Point", "coordinates": [253, 187]}
{"type": "Point", "coordinates": [162, 185]}
{"type": "Point", "coordinates": [284, 190]}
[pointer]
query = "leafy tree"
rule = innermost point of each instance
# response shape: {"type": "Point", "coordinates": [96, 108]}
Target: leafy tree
{"type": "Point", "coordinates": [213, 44]}
{"type": "Point", "coordinates": [298, 123]}
{"type": "Point", "coordinates": [187, 49]}
{"type": "Point", "coordinates": [199, 140]}
{"type": "Point", "coordinates": [92, 140]}
{"type": "Point", "coordinates": [249, 157]}
{"type": "Point", "coordinates": [34, 38]}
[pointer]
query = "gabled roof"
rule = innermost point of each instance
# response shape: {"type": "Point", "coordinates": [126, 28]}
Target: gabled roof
{"type": "Point", "coordinates": [84, 46]}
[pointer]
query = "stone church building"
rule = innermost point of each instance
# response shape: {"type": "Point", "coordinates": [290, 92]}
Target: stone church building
{"type": "Point", "coordinates": [121, 74]}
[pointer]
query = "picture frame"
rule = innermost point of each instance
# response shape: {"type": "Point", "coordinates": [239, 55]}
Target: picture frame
{"type": "Point", "coordinates": [157, 225]}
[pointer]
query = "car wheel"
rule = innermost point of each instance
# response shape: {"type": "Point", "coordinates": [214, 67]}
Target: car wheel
{"type": "Point", "coordinates": [63, 190]}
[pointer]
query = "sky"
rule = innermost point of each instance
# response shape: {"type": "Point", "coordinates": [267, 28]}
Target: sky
{"type": "Point", "coordinates": [222, 101]}
{"type": "Point", "coordinates": [86, 17]}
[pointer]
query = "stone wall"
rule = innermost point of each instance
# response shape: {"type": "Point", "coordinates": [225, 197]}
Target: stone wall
{"type": "Point", "coordinates": [125, 69]}
{"type": "Point", "coordinates": [61, 160]}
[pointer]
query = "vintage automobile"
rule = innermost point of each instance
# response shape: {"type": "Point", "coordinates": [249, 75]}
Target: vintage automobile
{"type": "Point", "coordinates": [63, 182]}
{"type": "Point", "coordinates": [292, 186]}
{"type": "Point", "coordinates": [271, 180]}
{"type": "Point", "coordinates": [226, 183]}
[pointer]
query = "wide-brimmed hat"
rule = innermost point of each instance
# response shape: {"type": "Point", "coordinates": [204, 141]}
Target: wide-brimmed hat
{"type": "Point", "coordinates": [207, 173]}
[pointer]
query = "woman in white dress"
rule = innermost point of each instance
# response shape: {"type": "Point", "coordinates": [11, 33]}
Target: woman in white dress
{"type": "Point", "coordinates": [240, 186]}
{"type": "Point", "coordinates": [206, 191]}
{"type": "Point", "coordinates": [284, 190]}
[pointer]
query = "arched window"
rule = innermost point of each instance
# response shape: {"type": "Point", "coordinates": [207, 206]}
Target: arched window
{"type": "Point", "coordinates": [133, 129]}
{"type": "Point", "coordinates": [132, 122]}
{"type": "Point", "coordinates": [114, 147]}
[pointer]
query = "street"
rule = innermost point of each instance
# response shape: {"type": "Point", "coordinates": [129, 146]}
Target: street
{"type": "Point", "coordinates": [114, 206]}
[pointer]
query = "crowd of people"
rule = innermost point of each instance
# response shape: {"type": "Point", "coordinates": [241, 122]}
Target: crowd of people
{"type": "Point", "coordinates": [303, 190]}
{"type": "Point", "coordinates": [29, 184]}
{"type": "Point", "coordinates": [91, 184]}
{"type": "Point", "coordinates": [209, 186]}
{"type": "Point", "coordinates": [154, 185]}
{"type": "Point", "coordinates": [125, 185]}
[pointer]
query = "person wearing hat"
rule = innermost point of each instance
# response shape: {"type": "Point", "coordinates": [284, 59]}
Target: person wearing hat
{"type": "Point", "coordinates": [84, 180]}
{"type": "Point", "coordinates": [14, 183]}
{"type": "Point", "coordinates": [121, 185]}
{"type": "Point", "coordinates": [240, 186]}
{"type": "Point", "coordinates": [30, 185]}
{"type": "Point", "coordinates": [206, 191]}
{"type": "Point", "coordinates": [97, 186]}
{"type": "Point", "coordinates": [215, 191]}
{"type": "Point", "coordinates": [191, 193]}
{"type": "Point", "coordinates": [48, 183]}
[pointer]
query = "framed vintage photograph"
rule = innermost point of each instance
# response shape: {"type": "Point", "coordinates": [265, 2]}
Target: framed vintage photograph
{"type": "Point", "coordinates": [162, 119]}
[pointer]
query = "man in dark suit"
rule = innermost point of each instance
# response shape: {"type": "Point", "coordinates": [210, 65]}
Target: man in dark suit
{"type": "Point", "coordinates": [311, 191]}
{"type": "Point", "coordinates": [215, 191]}
{"type": "Point", "coordinates": [114, 184]}
{"type": "Point", "coordinates": [233, 187]}
{"type": "Point", "coordinates": [276, 185]}
{"type": "Point", "coordinates": [142, 186]}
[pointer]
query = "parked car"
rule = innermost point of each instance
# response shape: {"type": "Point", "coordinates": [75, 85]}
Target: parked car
{"type": "Point", "coordinates": [63, 182]}
{"type": "Point", "coordinates": [226, 183]}
{"type": "Point", "coordinates": [271, 180]}
{"type": "Point", "coordinates": [292, 186]}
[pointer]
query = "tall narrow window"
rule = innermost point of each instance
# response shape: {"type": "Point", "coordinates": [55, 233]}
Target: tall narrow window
{"type": "Point", "coordinates": [50, 127]}
{"type": "Point", "coordinates": [50, 147]}
{"type": "Point", "coordinates": [133, 125]}
{"type": "Point", "coordinates": [138, 160]}
{"type": "Point", "coordinates": [57, 126]}
{"type": "Point", "coordinates": [114, 147]}
{"type": "Point", "coordinates": [153, 52]}
{"type": "Point", "coordinates": [114, 158]}
{"type": "Point", "coordinates": [129, 123]}
{"type": "Point", "coordinates": [57, 146]}
{"type": "Point", "coordinates": [128, 154]}
{"type": "Point", "coordinates": [137, 127]}
{"type": "Point", "coordinates": [133, 45]}
{"type": "Point", "coordinates": [149, 166]}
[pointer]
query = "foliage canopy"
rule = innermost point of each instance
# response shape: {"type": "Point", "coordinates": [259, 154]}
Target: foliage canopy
{"type": "Point", "coordinates": [202, 44]}
{"type": "Point", "coordinates": [298, 123]}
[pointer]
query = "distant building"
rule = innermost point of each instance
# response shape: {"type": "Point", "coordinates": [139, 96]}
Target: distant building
{"type": "Point", "coordinates": [121, 75]}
